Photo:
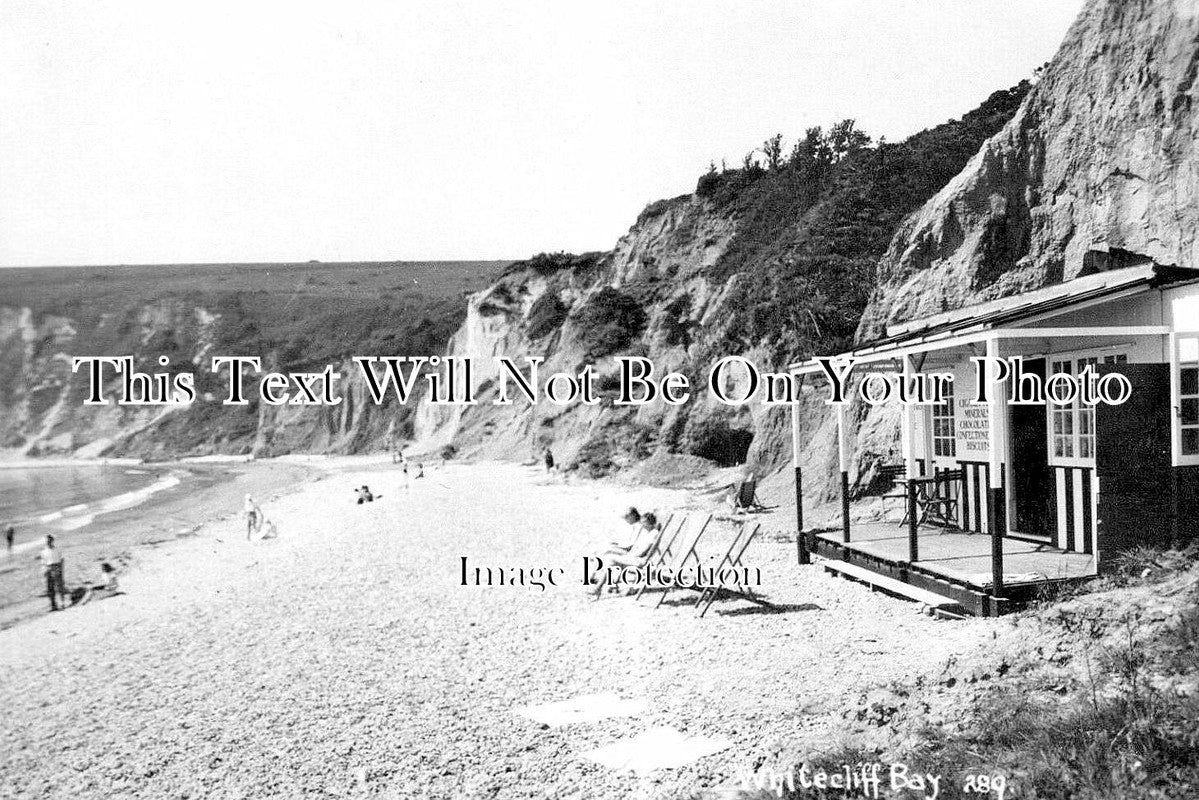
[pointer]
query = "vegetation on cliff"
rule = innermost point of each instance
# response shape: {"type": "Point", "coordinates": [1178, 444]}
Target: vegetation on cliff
{"type": "Point", "coordinates": [812, 228]}
{"type": "Point", "coordinates": [774, 259]}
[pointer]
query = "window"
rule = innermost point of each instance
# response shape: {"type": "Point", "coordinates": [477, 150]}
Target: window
{"type": "Point", "coordinates": [1063, 420]}
{"type": "Point", "coordinates": [944, 442]}
{"type": "Point", "coordinates": [1188, 395]}
{"type": "Point", "coordinates": [1073, 429]}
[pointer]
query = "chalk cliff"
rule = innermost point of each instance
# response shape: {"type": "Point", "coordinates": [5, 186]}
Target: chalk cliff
{"type": "Point", "coordinates": [1102, 155]}
{"type": "Point", "coordinates": [43, 413]}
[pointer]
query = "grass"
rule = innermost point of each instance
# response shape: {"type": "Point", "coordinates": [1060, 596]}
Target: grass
{"type": "Point", "coordinates": [1100, 700]}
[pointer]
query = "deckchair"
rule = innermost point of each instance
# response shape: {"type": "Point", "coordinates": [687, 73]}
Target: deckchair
{"type": "Point", "coordinates": [663, 549]}
{"type": "Point", "coordinates": [732, 560]}
{"type": "Point", "coordinates": [690, 554]}
{"type": "Point", "coordinates": [643, 562]}
{"type": "Point", "coordinates": [720, 563]}
{"type": "Point", "coordinates": [745, 498]}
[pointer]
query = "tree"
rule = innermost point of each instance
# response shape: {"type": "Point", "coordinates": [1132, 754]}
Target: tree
{"type": "Point", "coordinates": [811, 151]}
{"type": "Point", "coordinates": [772, 148]}
{"type": "Point", "coordinates": [844, 139]}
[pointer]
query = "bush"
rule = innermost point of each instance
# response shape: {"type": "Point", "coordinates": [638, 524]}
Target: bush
{"type": "Point", "coordinates": [615, 446]}
{"type": "Point", "coordinates": [448, 452]}
{"type": "Point", "coordinates": [549, 263]}
{"type": "Point", "coordinates": [546, 315]}
{"type": "Point", "coordinates": [609, 321]}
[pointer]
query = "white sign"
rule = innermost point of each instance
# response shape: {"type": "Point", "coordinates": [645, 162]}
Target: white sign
{"type": "Point", "coordinates": [973, 430]}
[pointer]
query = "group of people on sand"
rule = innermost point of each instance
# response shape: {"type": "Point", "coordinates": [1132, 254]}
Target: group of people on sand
{"type": "Point", "coordinates": [631, 545]}
{"type": "Point", "coordinates": [56, 585]}
{"type": "Point", "coordinates": [404, 464]}
{"type": "Point", "coordinates": [365, 495]}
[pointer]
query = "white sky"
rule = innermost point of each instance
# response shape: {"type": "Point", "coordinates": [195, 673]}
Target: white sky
{"type": "Point", "coordinates": [141, 132]}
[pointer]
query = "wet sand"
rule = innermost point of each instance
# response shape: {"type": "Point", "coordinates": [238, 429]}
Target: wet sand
{"type": "Point", "coordinates": [344, 658]}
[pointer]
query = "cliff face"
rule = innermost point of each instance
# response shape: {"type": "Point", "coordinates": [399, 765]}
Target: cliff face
{"type": "Point", "coordinates": [1096, 161]}
{"type": "Point", "coordinates": [42, 409]}
{"type": "Point", "coordinates": [553, 307]}
{"type": "Point", "coordinates": [771, 262]}
{"type": "Point", "coordinates": [1098, 167]}
{"type": "Point", "coordinates": [1101, 156]}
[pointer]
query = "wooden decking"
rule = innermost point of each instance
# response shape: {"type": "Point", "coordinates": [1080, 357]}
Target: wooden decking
{"type": "Point", "coordinates": [956, 564]}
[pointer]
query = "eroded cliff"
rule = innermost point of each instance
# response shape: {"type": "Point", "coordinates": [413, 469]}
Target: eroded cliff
{"type": "Point", "coordinates": [1101, 156]}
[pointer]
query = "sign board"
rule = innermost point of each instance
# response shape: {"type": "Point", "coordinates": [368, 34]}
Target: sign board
{"type": "Point", "coordinates": [973, 423]}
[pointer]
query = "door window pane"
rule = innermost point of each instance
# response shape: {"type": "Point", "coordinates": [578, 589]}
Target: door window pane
{"type": "Point", "coordinates": [1074, 425]}
{"type": "Point", "coordinates": [1188, 395]}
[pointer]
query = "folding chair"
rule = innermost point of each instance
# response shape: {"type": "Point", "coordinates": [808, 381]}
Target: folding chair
{"type": "Point", "coordinates": [663, 549]}
{"type": "Point", "coordinates": [739, 545]}
{"type": "Point", "coordinates": [897, 486]}
{"type": "Point", "coordinates": [746, 496]}
{"type": "Point", "coordinates": [692, 553]}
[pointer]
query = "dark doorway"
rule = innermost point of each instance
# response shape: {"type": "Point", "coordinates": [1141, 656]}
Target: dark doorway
{"type": "Point", "coordinates": [1132, 458]}
{"type": "Point", "coordinates": [1035, 494]}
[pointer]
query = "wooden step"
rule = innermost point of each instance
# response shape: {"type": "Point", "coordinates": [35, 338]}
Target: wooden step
{"type": "Point", "coordinates": [882, 583]}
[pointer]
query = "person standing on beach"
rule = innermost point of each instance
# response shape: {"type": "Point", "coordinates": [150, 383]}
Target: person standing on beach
{"type": "Point", "coordinates": [549, 460]}
{"type": "Point", "coordinates": [52, 569]}
{"type": "Point", "coordinates": [253, 514]}
{"type": "Point", "coordinates": [10, 533]}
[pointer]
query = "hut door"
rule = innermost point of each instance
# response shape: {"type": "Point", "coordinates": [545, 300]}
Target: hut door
{"type": "Point", "coordinates": [1132, 460]}
{"type": "Point", "coordinates": [1034, 496]}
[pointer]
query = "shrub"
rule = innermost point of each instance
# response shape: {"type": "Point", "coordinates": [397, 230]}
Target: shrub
{"type": "Point", "coordinates": [609, 321]}
{"type": "Point", "coordinates": [615, 446]}
{"type": "Point", "coordinates": [546, 315]}
{"type": "Point", "coordinates": [549, 263]}
{"type": "Point", "coordinates": [448, 452]}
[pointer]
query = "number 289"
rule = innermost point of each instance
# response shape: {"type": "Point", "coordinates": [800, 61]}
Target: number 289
{"type": "Point", "coordinates": [986, 784]}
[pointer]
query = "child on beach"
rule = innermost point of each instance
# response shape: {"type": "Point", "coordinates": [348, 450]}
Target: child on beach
{"type": "Point", "coordinates": [109, 579]}
{"type": "Point", "coordinates": [253, 516]}
{"type": "Point", "coordinates": [107, 587]}
{"type": "Point", "coordinates": [364, 495]}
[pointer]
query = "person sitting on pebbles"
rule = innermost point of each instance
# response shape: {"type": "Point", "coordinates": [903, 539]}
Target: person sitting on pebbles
{"type": "Point", "coordinates": [627, 537]}
{"type": "Point", "coordinates": [642, 542]}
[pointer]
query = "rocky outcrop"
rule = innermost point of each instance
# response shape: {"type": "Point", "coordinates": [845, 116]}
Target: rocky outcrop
{"type": "Point", "coordinates": [1101, 156]}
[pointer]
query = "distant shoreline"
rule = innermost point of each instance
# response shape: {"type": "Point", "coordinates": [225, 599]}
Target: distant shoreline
{"type": "Point", "coordinates": [120, 533]}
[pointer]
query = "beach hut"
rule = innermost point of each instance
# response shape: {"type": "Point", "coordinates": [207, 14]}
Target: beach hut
{"type": "Point", "coordinates": [1001, 500]}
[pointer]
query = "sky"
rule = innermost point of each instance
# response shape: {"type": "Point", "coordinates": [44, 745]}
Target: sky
{"type": "Point", "coordinates": [151, 132]}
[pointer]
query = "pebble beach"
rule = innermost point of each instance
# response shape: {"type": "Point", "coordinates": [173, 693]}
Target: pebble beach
{"type": "Point", "coordinates": [345, 659]}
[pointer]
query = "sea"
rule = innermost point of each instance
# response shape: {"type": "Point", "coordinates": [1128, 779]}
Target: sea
{"type": "Point", "coordinates": [69, 497]}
